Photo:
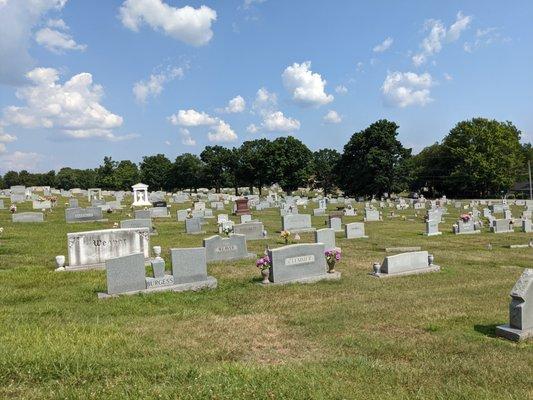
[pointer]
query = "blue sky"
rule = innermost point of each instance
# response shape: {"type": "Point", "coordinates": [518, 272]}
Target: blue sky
{"type": "Point", "coordinates": [83, 79]}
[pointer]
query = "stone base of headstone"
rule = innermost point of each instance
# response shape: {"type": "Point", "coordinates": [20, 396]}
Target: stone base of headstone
{"type": "Point", "coordinates": [209, 283]}
{"type": "Point", "coordinates": [468, 232]}
{"type": "Point", "coordinates": [358, 237]}
{"type": "Point", "coordinates": [304, 230]}
{"type": "Point", "coordinates": [516, 335]}
{"type": "Point", "coordinates": [508, 231]}
{"type": "Point", "coordinates": [433, 234]}
{"type": "Point", "coordinates": [334, 276]}
{"type": "Point", "coordinates": [250, 256]}
{"type": "Point", "coordinates": [431, 268]}
{"type": "Point", "coordinates": [94, 220]}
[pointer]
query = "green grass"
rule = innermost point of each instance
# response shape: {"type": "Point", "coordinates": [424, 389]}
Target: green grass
{"type": "Point", "coordinates": [416, 337]}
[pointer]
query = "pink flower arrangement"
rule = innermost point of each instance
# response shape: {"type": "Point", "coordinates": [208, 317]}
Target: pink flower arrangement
{"type": "Point", "coordinates": [333, 256]}
{"type": "Point", "coordinates": [263, 263]}
{"type": "Point", "coordinates": [465, 217]}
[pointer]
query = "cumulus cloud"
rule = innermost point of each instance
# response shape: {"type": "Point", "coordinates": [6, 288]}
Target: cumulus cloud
{"type": "Point", "coordinates": [438, 34]}
{"type": "Point", "coordinates": [306, 87]}
{"type": "Point", "coordinates": [383, 46]}
{"type": "Point", "coordinates": [186, 137]}
{"type": "Point", "coordinates": [402, 89]}
{"type": "Point", "coordinates": [73, 107]}
{"type": "Point", "coordinates": [265, 102]}
{"type": "Point", "coordinates": [20, 160]}
{"type": "Point", "coordinates": [332, 117]}
{"type": "Point", "coordinates": [235, 106]}
{"type": "Point", "coordinates": [187, 24]}
{"type": "Point", "coordinates": [154, 85]}
{"type": "Point", "coordinates": [277, 122]}
{"type": "Point", "coordinates": [485, 37]}
{"type": "Point", "coordinates": [341, 89]}
{"type": "Point", "coordinates": [55, 37]}
{"type": "Point", "coordinates": [220, 131]}
{"type": "Point", "coordinates": [248, 3]}
{"type": "Point", "coordinates": [265, 105]}
{"type": "Point", "coordinates": [18, 19]}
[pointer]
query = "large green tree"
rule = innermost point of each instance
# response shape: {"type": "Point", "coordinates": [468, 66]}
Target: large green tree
{"type": "Point", "coordinates": [324, 164]}
{"type": "Point", "coordinates": [482, 157]}
{"type": "Point", "coordinates": [11, 178]}
{"type": "Point", "coordinates": [427, 170]}
{"type": "Point", "coordinates": [291, 162]}
{"type": "Point", "coordinates": [256, 163]}
{"type": "Point", "coordinates": [155, 171]}
{"type": "Point", "coordinates": [187, 172]}
{"type": "Point", "coordinates": [215, 159]}
{"type": "Point", "coordinates": [106, 174]}
{"type": "Point", "coordinates": [374, 161]}
{"type": "Point", "coordinates": [126, 175]}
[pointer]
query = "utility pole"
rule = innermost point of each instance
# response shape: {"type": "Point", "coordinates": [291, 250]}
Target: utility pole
{"type": "Point", "coordinates": [530, 185]}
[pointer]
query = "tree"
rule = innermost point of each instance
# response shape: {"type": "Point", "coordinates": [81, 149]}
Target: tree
{"type": "Point", "coordinates": [187, 172]}
{"type": "Point", "coordinates": [106, 174]}
{"type": "Point", "coordinates": [427, 170]}
{"type": "Point", "coordinates": [374, 161]}
{"type": "Point", "coordinates": [126, 175]}
{"type": "Point", "coordinates": [291, 161]}
{"type": "Point", "coordinates": [324, 164]}
{"type": "Point", "coordinates": [215, 160]}
{"type": "Point", "coordinates": [67, 178]}
{"type": "Point", "coordinates": [484, 157]}
{"type": "Point", "coordinates": [11, 178]}
{"type": "Point", "coordinates": [256, 163]}
{"type": "Point", "coordinates": [155, 172]}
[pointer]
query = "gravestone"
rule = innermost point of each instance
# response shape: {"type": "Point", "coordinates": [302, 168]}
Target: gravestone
{"type": "Point", "coordinates": [138, 223]}
{"type": "Point", "coordinates": [73, 202]}
{"type": "Point", "coordinates": [189, 265]}
{"type": "Point", "coordinates": [299, 263]}
{"type": "Point", "coordinates": [91, 249]}
{"type": "Point", "coordinates": [2, 204]}
{"type": "Point", "coordinates": [434, 215]}
{"type": "Point", "coordinates": [405, 264]}
{"type": "Point", "coordinates": [432, 228]}
{"type": "Point", "coordinates": [335, 223]}
{"type": "Point", "coordinates": [193, 226]}
{"type": "Point", "coordinates": [143, 214]}
{"type": "Point", "coordinates": [251, 230]}
{"type": "Point", "coordinates": [501, 226]}
{"type": "Point", "coordinates": [242, 207]}
{"type": "Point", "coordinates": [159, 212]}
{"type": "Point", "coordinates": [41, 205]}
{"type": "Point", "coordinates": [327, 237]}
{"type": "Point", "coordinates": [97, 202]}
{"type": "Point", "coordinates": [526, 226]}
{"type": "Point", "coordinates": [159, 203]}
{"type": "Point", "coordinates": [222, 218]}
{"type": "Point", "coordinates": [520, 325]}
{"type": "Point", "coordinates": [27, 217]}
{"type": "Point", "coordinates": [125, 274]}
{"type": "Point", "coordinates": [319, 212]}
{"type": "Point", "coordinates": [246, 218]}
{"type": "Point", "coordinates": [297, 223]}
{"type": "Point", "coordinates": [372, 215]}
{"type": "Point", "coordinates": [17, 198]}
{"type": "Point", "coordinates": [89, 214]}
{"type": "Point", "coordinates": [199, 206]}
{"type": "Point", "coordinates": [226, 249]}
{"type": "Point", "coordinates": [466, 228]}
{"type": "Point", "coordinates": [355, 230]}
{"type": "Point", "coordinates": [181, 215]}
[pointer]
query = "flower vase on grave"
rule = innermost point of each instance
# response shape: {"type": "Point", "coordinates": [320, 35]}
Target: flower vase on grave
{"type": "Point", "coordinates": [265, 273]}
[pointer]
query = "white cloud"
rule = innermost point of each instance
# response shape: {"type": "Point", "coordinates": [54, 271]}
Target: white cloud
{"type": "Point", "coordinates": [252, 128]}
{"type": "Point", "coordinates": [438, 34]}
{"type": "Point", "coordinates": [192, 118]}
{"type": "Point", "coordinates": [265, 105]}
{"type": "Point", "coordinates": [73, 107]}
{"type": "Point", "coordinates": [265, 101]}
{"type": "Point", "coordinates": [306, 87]}
{"type": "Point", "coordinates": [17, 21]}
{"type": "Point", "coordinates": [277, 122]}
{"type": "Point", "coordinates": [332, 117]}
{"type": "Point", "coordinates": [19, 160]}
{"type": "Point", "coordinates": [235, 106]}
{"type": "Point", "coordinates": [188, 24]}
{"type": "Point", "coordinates": [341, 89]}
{"type": "Point", "coordinates": [485, 37]}
{"type": "Point", "coordinates": [222, 132]}
{"type": "Point", "coordinates": [186, 137]}
{"type": "Point", "coordinates": [248, 3]}
{"type": "Point", "coordinates": [402, 89]}
{"type": "Point", "coordinates": [55, 37]}
{"type": "Point", "coordinates": [6, 137]}
{"type": "Point", "coordinates": [448, 77]}
{"type": "Point", "coordinates": [154, 85]}
{"type": "Point", "coordinates": [383, 46]}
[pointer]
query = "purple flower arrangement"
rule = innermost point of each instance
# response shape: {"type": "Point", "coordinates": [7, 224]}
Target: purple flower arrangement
{"type": "Point", "coordinates": [263, 263]}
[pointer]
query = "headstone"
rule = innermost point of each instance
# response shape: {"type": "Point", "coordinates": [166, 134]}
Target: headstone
{"type": "Point", "coordinates": [97, 202]}
{"type": "Point", "coordinates": [246, 218]}
{"type": "Point", "coordinates": [27, 217]}
{"type": "Point", "coordinates": [193, 226]}
{"type": "Point", "coordinates": [520, 325]}
{"type": "Point", "coordinates": [502, 226]}
{"type": "Point", "coordinates": [41, 205]}
{"type": "Point", "coordinates": [2, 204]}
{"type": "Point", "coordinates": [125, 274]}
{"type": "Point", "coordinates": [159, 203]}
{"type": "Point", "coordinates": [89, 214]}
{"type": "Point", "coordinates": [137, 223]}
{"type": "Point", "coordinates": [372, 215]}
{"type": "Point", "coordinates": [405, 264]}
{"type": "Point", "coordinates": [327, 237]}
{"type": "Point", "coordinates": [318, 212]}
{"type": "Point", "coordinates": [297, 223]}
{"type": "Point", "coordinates": [226, 249]}
{"type": "Point", "coordinates": [251, 230]}
{"type": "Point", "coordinates": [92, 249]}
{"type": "Point", "coordinates": [182, 215]}
{"type": "Point", "coordinates": [73, 202]}
{"type": "Point", "coordinates": [304, 263]}
{"type": "Point", "coordinates": [143, 214]}
{"type": "Point", "coordinates": [355, 230]}
{"type": "Point", "coordinates": [189, 265]}
{"type": "Point", "coordinates": [466, 227]}
{"type": "Point", "coordinates": [526, 226]}
{"type": "Point", "coordinates": [222, 218]}
{"type": "Point", "coordinates": [159, 212]}
{"type": "Point", "coordinates": [242, 207]}
{"type": "Point", "coordinates": [335, 223]}
{"type": "Point", "coordinates": [432, 228]}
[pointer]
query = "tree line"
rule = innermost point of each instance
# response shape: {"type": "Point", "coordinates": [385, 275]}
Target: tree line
{"type": "Point", "coordinates": [477, 158]}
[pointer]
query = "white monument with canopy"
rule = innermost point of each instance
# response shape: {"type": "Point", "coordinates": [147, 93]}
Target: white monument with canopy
{"type": "Point", "coordinates": [140, 195]}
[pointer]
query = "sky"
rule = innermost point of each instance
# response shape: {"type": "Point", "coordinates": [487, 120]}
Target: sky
{"type": "Point", "coordinates": [80, 80]}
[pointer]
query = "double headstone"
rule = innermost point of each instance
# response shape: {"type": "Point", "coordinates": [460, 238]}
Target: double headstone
{"type": "Point", "coordinates": [297, 223]}
{"type": "Point", "coordinates": [27, 217]}
{"type": "Point", "coordinates": [226, 249]}
{"type": "Point", "coordinates": [502, 226]}
{"type": "Point", "coordinates": [355, 230]}
{"type": "Point", "coordinates": [89, 214]}
{"type": "Point", "coordinates": [416, 262]}
{"type": "Point", "coordinates": [193, 226]}
{"type": "Point", "coordinates": [251, 230]}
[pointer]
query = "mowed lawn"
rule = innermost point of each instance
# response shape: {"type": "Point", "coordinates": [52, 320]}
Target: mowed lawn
{"type": "Point", "coordinates": [427, 336]}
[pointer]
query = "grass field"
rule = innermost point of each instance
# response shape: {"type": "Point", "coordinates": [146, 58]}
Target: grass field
{"type": "Point", "coordinates": [428, 336]}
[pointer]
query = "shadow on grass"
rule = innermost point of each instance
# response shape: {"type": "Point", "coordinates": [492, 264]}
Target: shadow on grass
{"type": "Point", "coordinates": [487, 330]}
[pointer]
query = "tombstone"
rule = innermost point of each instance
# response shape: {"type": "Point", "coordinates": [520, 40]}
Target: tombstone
{"type": "Point", "coordinates": [416, 262]}
{"type": "Point", "coordinates": [372, 215]}
{"type": "Point", "coordinates": [91, 249]}
{"type": "Point", "coordinates": [143, 214]}
{"type": "Point", "coordinates": [496, 208]}
{"type": "Point", "coordinates": [251, 230]}
{"type": "Point", "coordinates": [193, 226]}
{"type": "Point", "coordinates": [242, 207]}
{"type": "Point", "coordinates": [466, 227]}
{"type": "Point", "coordinates": [125, 274]}
{"type": "Point", "coordinates": [520, 325]}
{"type": "Point", "coordinates": [18, 189]}
{"type": "Point", "coordinates": [73, 203]}
{"type": "Point", "coordinates": [222, 218]}
{"type": "Point", "coordinates": [487, 213]}
{"type": "Point", "coordinates": [225, 225]}
{"type": "Point", "coordinates": [41, 205]}
{"type": "Point", "coordinates": [502, 226]}
{"type": "Point", "coordinates": [140, 195]}
{"type": "Point", "coordinates": [327, 237]}
{"type": "Point", "coordinates": [208, 213]}
{"type": "Point", "coordinates": [319, 212]}
{"type": "Point", "coordinates": [435, 215]}
{"type": "Point", "coordinates": [159, 203]}
{"type": "Point", "coordinates": [17, 198]}
{"type": "Point", "coordinates": [159, 212]}
{"type": "Point", "coordinates": [94, 193]}
{"type": "Point", "coordinates": [526, 226]}
{"type": "Point", "coordinates": [199, 206]}
{"type": "Point", "coordinates": [89, 214]}
{"type": "Point", "coordinates": [190, 266]}
{"type": "Point", "coordinates": [97, 202]}
{"type": "Point", "coordinates": [349, 212]}
{"type": "Point", "coordinates": [182, 215]}
{"type": "Point", "coordinates": [226, 249]}
{"type": "Point", "coordinates": [297, 223]}
{"type": "Point", "coordinates": [335, 223]}
{"type": "Point", "coordinates": [355, 230]}
{"type": "Point", "coordinates": [27, 217]}
{"type": "Point", "coordinates": [299, 263]}
{"type": "Point", "coordinates": [432, 228]}
{"type": "Point", "coordinates": [246, 218]}
{"type": "Point", "coordinates": [2, 204]}
{"type": "Point", "coordinates": [138, 223]}
{"type": "Point", "coordinates": [507, 214]}
{"type": "Point", "coordinates": [322, 204]}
